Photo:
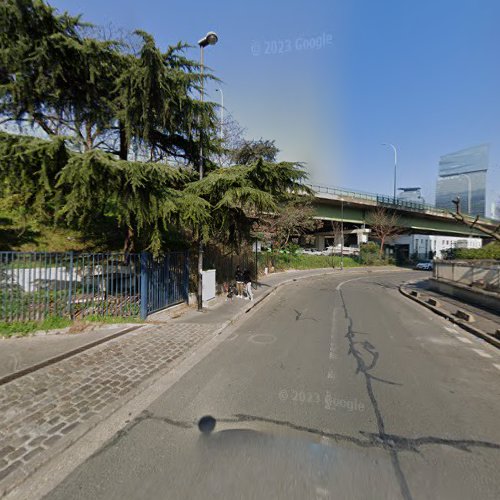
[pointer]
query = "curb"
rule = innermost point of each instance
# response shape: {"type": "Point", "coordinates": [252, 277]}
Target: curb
{"type": "Point", "coordinates": [65, 355]}
{"type": "Point", "coordinates": [445, 314]}
{"type": "Point", "coordinates": [274, 288]}
{"type": "Point", "coordinates": [269, 292]}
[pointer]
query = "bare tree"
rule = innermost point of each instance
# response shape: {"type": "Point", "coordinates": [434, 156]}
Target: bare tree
{"type": "Point", "coordinates": [383, 225]}
{"type": "Point", "coordinates": [290, 220]}
{"type": "Point", "coordinates": [474, 222]}
{"type": "Point", "coordinates": [232, 140]}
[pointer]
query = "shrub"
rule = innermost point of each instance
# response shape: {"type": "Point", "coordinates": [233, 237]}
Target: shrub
{"type": "Point", "coordinates": [488, 252]}
{"type": "Point", "coordinates": [369, 253]}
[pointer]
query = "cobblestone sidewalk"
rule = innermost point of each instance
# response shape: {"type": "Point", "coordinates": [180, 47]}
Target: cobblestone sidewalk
{"type": "Point", "coordinates": [41, 413]}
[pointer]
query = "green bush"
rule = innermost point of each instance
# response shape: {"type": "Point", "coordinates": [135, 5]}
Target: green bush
{"type": "Point", "coordinates": [283, 261]}
{"type": "Point", "coordinates": [488, 252]}
{"type": "Point", "coordinates": [369, 254]}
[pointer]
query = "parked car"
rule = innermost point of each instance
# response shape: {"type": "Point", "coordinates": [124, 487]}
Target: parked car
{"type": "Point", "coordinates": [337, 250]}
{"type": "Point", "coordinates": [424, 266]}
{"type": "Point", "coordinates": [311, 251]}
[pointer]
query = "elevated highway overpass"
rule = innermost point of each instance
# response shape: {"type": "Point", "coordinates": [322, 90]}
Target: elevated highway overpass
{"type": "Point", "coordinates": [354, 207]}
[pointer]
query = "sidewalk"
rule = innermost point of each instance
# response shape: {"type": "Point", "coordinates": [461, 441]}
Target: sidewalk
{"type": "Point", "coordinates": [24, 353]}
{"type": "Point", "coordinates": [44, 412]}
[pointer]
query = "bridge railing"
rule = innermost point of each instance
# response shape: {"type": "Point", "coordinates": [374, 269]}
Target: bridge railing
{"type": "Point", "coordinates": [379, 199]}
{"type": "Point", "coordinates": [387, 201]}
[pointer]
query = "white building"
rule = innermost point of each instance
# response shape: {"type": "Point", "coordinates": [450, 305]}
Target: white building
{"type": "Point", "coordinates": [422, 244]}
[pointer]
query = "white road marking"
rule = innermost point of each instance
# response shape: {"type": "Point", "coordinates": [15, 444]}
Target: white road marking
{"type": "Point", "coordinates": [482, 353]}
{"type": "Point", "coordinates": [339, 286]}
{"type": "Point", "coordinates": [496, 365]}
{"type": "Point", "coordinates": [464, 340]}
{"type": "Point", "coordinates": [451, 330]}
{"type": "Point", "coordinates": [331, 374]}
{"type": "Point", "coordinates": [322, 493]}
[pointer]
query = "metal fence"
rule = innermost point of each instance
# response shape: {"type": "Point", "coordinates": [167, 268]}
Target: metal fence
{"type": "Point", "coordinates": [486, 276]}
{"type": "Point", "coordinates": [226, 261]}
{"type": "Point", "coordinates": [35, 285]}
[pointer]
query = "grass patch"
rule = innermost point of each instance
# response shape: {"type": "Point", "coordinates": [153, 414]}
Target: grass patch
{"type": "Point", "coordinates": [23, 328]}
{"type": "Point", "coordinates": [301, 261]}
{"type": "Point", "coordinates": [95, 318]}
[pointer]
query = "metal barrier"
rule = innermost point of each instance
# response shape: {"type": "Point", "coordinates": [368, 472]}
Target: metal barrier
{"type": "Point", "coordinates": [387, 201]}
{"type": "Point", "coordinates": [35, 285]}
{"type": "Point", "coordinates": [486, 276]}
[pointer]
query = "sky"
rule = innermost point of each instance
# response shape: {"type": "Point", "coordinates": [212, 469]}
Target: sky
{"type": "Point", "coordinates": [331, 80]}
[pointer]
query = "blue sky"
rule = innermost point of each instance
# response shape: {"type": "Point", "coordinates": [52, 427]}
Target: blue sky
{"type": "Point", "coordinates": [332, 80]}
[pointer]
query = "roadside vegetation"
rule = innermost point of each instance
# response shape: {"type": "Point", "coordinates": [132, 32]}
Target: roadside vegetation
{"type": "Point", "coordinates": [491, 251]}
{"type": "Point", "coordinates": [24, 328]}
{"type": "Point", "coordinates": [27, 328]}
{"type": "Point", "coordinates": [284, 261]}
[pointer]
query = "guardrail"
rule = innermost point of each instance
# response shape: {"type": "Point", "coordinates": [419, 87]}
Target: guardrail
{"type": "Point", "coordinates": [485, 276]}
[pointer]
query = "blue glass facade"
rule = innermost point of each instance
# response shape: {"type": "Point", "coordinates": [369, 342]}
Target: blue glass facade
{"type": "Point", "coordinates": [463, 174]}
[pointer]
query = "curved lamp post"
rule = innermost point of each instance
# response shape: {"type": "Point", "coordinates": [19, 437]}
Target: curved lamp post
{"type": "Point", "coordinates": [210, 38]}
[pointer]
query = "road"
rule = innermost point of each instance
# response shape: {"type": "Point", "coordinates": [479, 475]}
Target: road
{"type": "Point", "coordinates": [334, 387]}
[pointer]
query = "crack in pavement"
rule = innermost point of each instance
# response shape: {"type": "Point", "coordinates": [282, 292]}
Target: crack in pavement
{"type": "Point", "coordinates": [362, 368]}
{"type": "Point", "coordinates": [299, 317]}
{"type": "Point", "coordinates": [389, 442]}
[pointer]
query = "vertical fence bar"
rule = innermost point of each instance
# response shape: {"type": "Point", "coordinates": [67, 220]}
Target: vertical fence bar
{"type": "Point", "coordinates": [144, 285]}
{"type": "Point", "coordinates": [186, 276]}
{"type": "Point", "coordinates": [166, 285]}
{"type": "Point", "coordinates": [70, 286]}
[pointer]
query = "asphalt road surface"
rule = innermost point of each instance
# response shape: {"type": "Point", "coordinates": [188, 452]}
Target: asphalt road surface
{"type": "Point", "coordinates": [335, 387]}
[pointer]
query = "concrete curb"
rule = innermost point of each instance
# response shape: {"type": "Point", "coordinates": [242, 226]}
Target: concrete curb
{"type": "Point", "coordinates": [21, 476]}
{"type": "Point", "coordinates": [445, 314]}
{"type": "Point", "coordinates": [78, 350]}
{"type": "Point", "coordinates": [274, 288]}
{"type": "Point", "coordinates": [65, 355]}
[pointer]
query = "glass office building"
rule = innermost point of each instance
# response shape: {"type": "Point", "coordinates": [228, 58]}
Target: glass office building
{"type": "Point", "coordinates": [463, 174]}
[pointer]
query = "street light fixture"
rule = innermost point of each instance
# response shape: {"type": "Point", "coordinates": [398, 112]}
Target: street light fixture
{"type": "Point", "coordinates": [221, 113]}
{"type": "Point", "coordinates": [210, 38]}
{"type": "Point", "coordinates": [395, 165]}
{"type": "Point", "coordinates": [342, 234]}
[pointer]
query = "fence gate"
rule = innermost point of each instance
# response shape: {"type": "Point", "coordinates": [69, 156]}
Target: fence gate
{"type": "Point", "coordinates": [164, 281]}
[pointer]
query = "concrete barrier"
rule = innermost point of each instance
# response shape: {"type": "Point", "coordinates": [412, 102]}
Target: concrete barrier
{"type": "Point", "coordinates": [466, 316]}
{"type": "Point", "coordinates": [481, 298]}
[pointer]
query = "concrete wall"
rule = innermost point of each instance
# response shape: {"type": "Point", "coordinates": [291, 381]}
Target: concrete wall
{"type": "Point", "coordinates": [468, 274]}
{"type": "Point", "coordinates": [489, 300]}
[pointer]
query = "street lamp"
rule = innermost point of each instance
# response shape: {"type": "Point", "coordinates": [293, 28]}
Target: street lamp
{"type": "Point", "coordinates": [342, 233]}
{"type": "Point", "coordinates": [395, 165]}
{"type": "Point", "coordinates": [209, 39]}
{"type": "Point", "coordinates": [221, 112]}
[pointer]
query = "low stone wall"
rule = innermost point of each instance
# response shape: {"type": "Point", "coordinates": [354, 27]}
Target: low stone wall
{"type": "Point", "coordinates": [476, 273]}
{"type": "Point", "coordinates": [472, 295]}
